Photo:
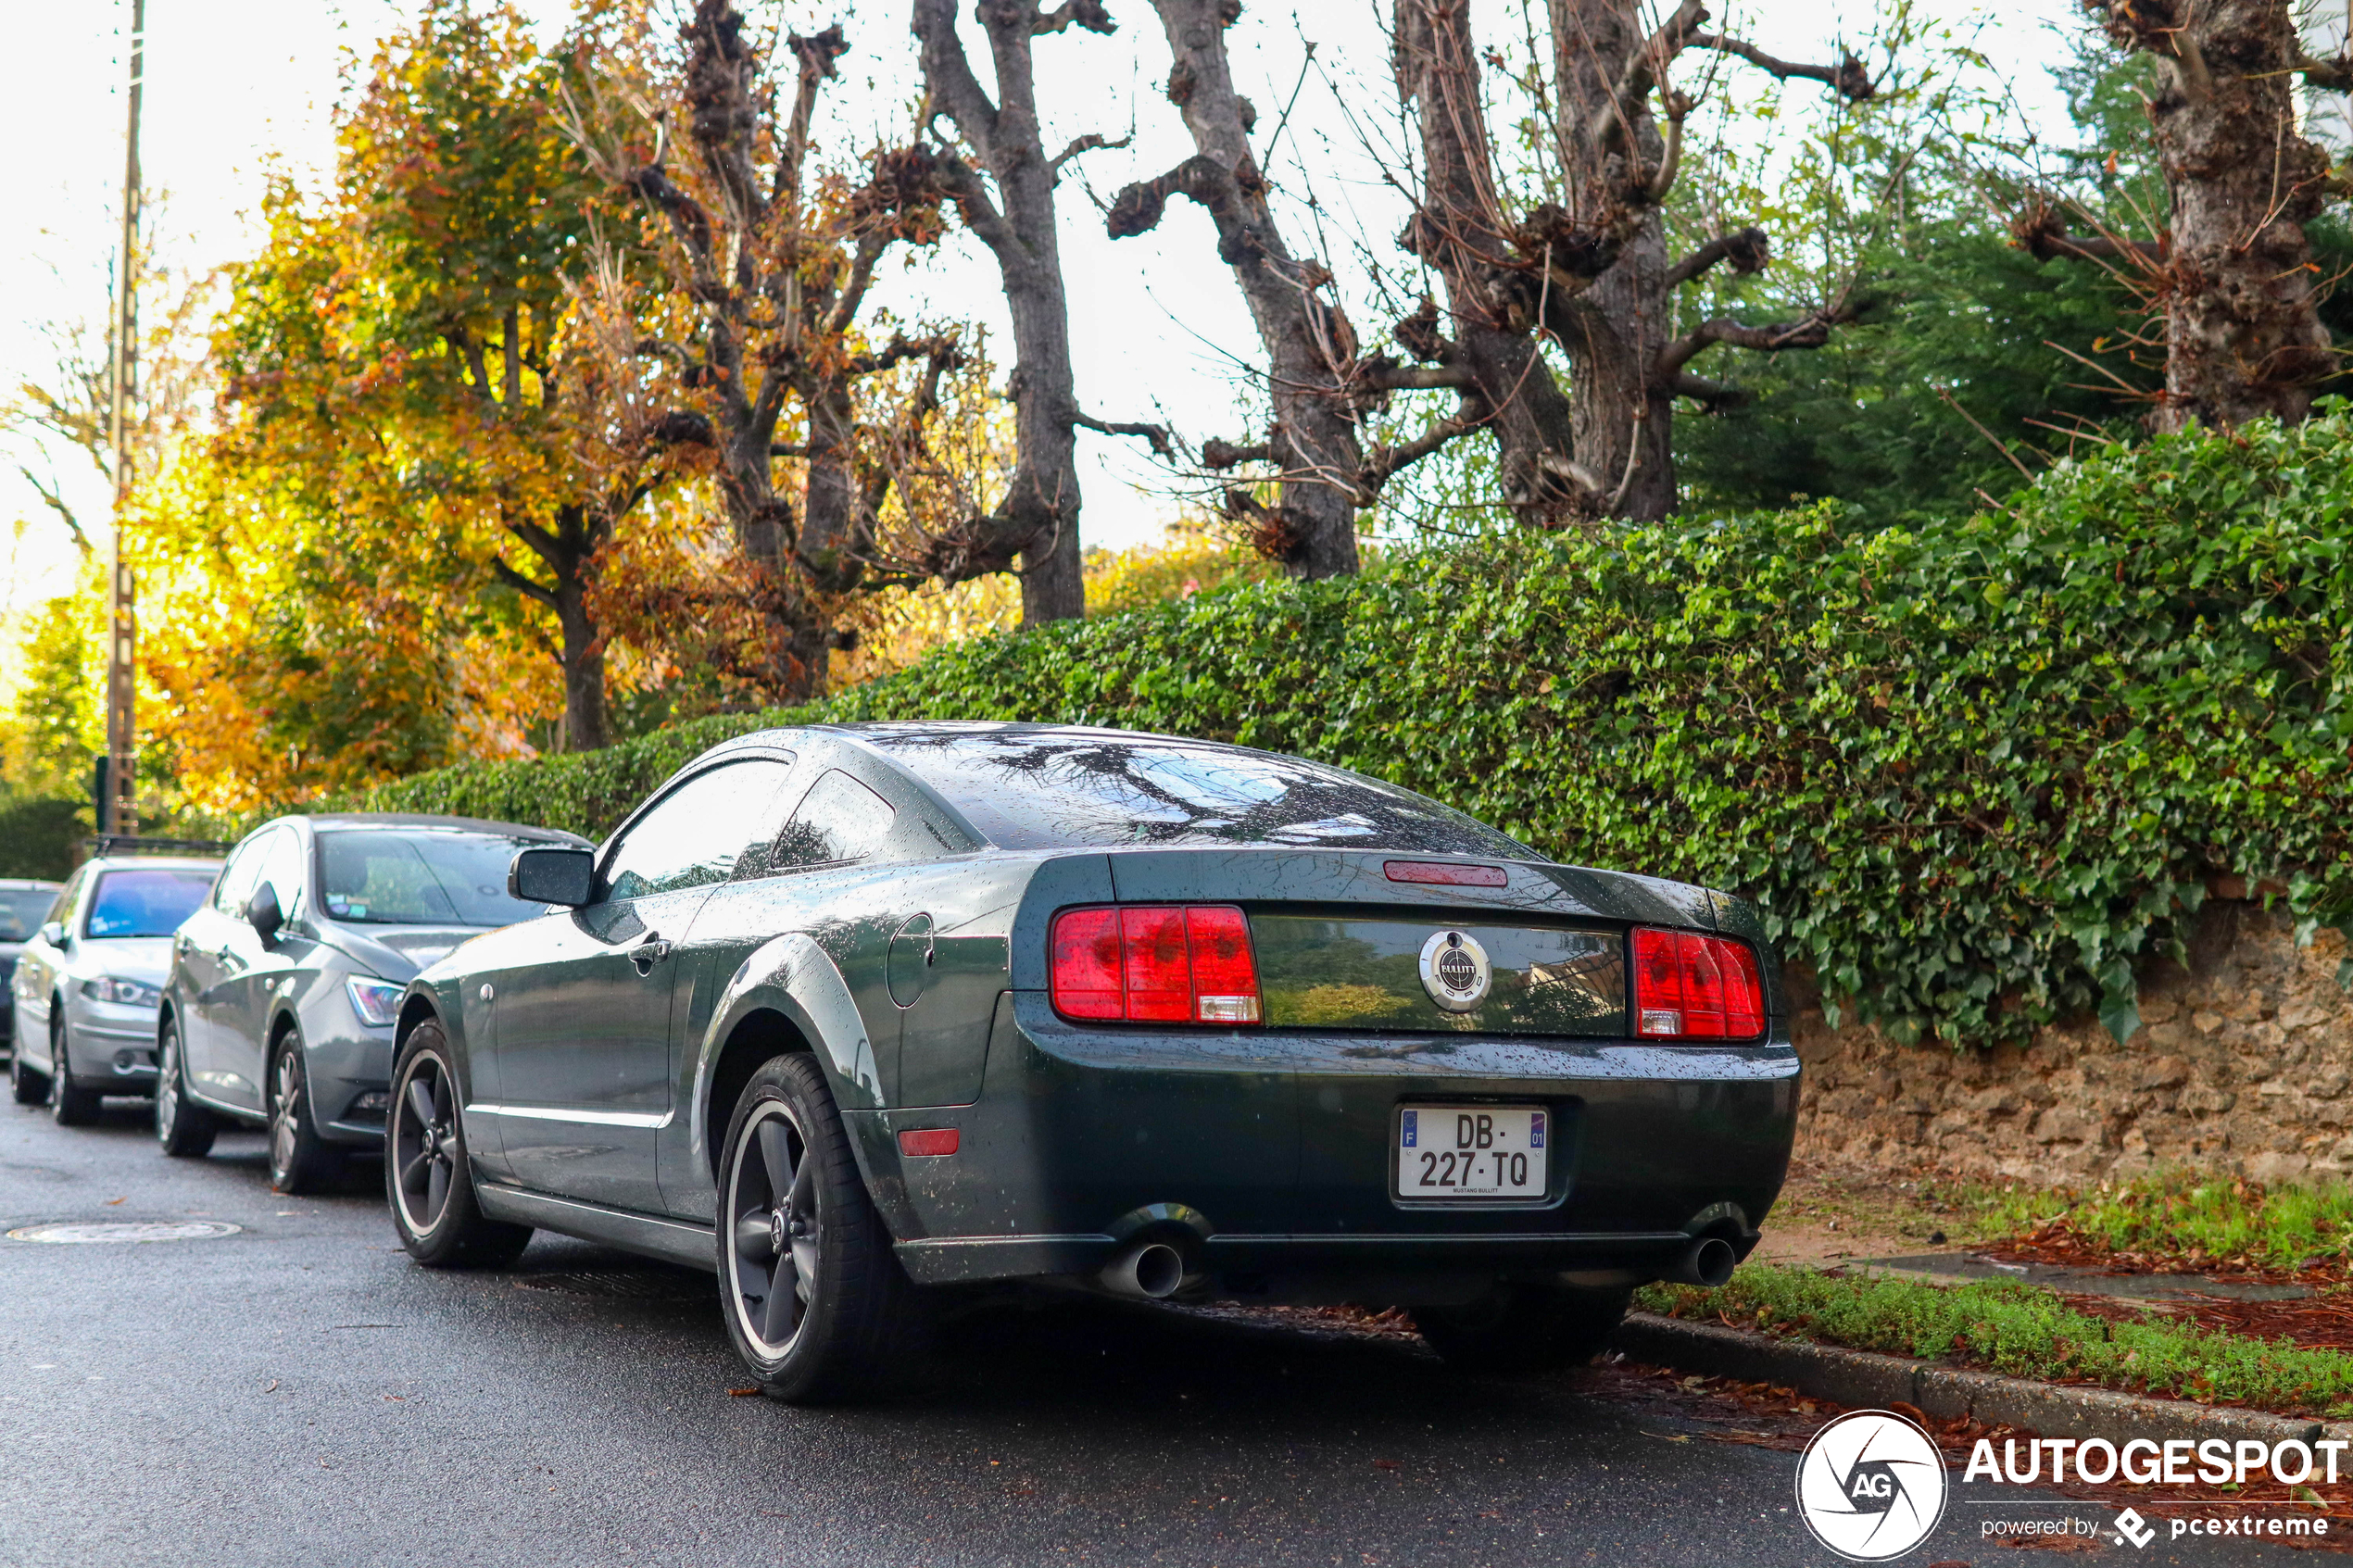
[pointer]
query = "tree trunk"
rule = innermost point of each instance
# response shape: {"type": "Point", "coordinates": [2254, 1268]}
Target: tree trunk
{"type": "Point", "coordinates": [569, 552]}
{"type": "Point", "coordinates": [2243, 332]}
{"type": "Point", "coordinates": [1612, 333]}
{"type": "Point", "coordinates": [1495, 289]}
{"type": "Point", "coordinates": [1013, 215]}
{"type": "Point", "coordinates": [583, 664]}
{"type": "Point", "coordinates": [1311, 348]}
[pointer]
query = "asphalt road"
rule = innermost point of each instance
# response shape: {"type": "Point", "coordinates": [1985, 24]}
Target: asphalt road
{"type": "Point", "coordinates": [299, 1393]}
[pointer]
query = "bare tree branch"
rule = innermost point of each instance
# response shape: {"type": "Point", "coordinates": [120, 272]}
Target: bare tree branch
{"type": "Point", "coordinates": [1811, 332]}
{"type": "Point", "coordinates": [1850, 78]}
{"type": "Point", "coordinates": [1747, 249]}
{"type": "Point", "coordinates": [1155, 434]}
{"type": "Point", "coordinates": [1087, 144]}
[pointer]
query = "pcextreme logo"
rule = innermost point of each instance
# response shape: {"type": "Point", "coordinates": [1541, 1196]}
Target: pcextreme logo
{"type": "Point", "coordinates": [1870, 1485]}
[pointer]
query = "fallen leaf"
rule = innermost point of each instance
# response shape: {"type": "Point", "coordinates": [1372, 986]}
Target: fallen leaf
{"type": "Point", "coordinates": [273, 1387]}
{"type": "Point", "coordinates": [1387, 1464]}
{"type": "Point", "coordinates": [1669, 1436]}
{"type": "Point", "coordinates": [741, 1393]}
{"type": "Point", "coordinates": [112, 1201]}
{"type": "Point", "coordinates": [396, 1395]}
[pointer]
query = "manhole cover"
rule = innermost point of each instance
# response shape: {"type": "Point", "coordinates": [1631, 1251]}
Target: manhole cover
{"type": "Point", "coordinates": [631, 1287]}
{"type": "Point", "coordinates": [126, 1230]}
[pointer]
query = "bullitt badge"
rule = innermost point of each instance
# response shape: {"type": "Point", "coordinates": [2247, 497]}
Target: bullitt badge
{"type": "Point", "coordinates": [1456, 972]}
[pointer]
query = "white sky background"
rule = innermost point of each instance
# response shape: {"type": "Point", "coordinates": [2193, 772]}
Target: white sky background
{"type": "Point", "coordinates": [236, 86]}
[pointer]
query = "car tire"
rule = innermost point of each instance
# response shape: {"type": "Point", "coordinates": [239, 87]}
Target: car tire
{"type": "Point", "coordinates": [428, 1179]}
{"type": "Point", "coordinates": [301, 1162]}
{"type": "Point", "coordinates": [70, 1106]}
{"type": "Point", "coordinates": [183, 1128]}
{"type": "Point", "coordinates": [852, 1323]}
{"type": "Point", "coordinates": [1524, 1328]}
{"type": "Point", "coordinates": [28, 1085]}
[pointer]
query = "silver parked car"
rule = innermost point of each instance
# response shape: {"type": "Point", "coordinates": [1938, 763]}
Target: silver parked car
{"type": "Point", "coordinates": [23, 906]}
{"type": "Point", "coordinates": [285, 986]}
{"type": "Point", "coordinates": [88, 984]}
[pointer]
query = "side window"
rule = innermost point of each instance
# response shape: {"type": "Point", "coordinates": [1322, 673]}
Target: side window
{"type": "Point", "coordinates": [285, 867]}
{"type": "Point", "coordinates": [236, 883]}
{"type": "Point", "coordinates": [63, 908]}
{"type": "Point", "coordinates": [840, 820]}
{"type": "Point", "coordinates": [696, 832]}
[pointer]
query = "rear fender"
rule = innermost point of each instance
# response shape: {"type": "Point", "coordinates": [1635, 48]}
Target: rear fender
{"type": "Point", "coordinates": [790, 975]}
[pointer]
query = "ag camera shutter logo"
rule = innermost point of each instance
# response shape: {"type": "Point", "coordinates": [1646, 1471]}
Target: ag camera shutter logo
{"type": "Point", "coordinates": [1870, 1485]}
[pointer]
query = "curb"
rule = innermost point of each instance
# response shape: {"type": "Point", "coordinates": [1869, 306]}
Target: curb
{"type": "Point", "coordinates": [1868, 1379]}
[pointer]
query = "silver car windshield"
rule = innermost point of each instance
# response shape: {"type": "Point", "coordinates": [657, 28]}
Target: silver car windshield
{"type": "Point", "coordinates": [145, 902]}
{"type": "Point", "coordinates": [419, 876]}
{"type": "Point", "coordinates": [22, 909]}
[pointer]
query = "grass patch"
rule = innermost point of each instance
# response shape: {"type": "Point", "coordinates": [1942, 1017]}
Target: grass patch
{"type": "Point", "coordinates": [2021, 1331]}
{"type": "Point", "coordinates": [2184, 1219]}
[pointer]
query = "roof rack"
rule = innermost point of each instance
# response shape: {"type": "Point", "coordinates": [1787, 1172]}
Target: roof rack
{"type": "Point", "coordinates": [132, 844]}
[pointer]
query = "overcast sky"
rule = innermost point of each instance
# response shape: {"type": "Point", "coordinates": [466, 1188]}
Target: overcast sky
{"type": "Point", "coordinates": [235, 88]}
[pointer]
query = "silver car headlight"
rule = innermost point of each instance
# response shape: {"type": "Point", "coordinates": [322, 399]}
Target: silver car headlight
{"type": "Point", "coordinates": [377, 1002]}
{"type": "Point", "coordinates": [122, 993]}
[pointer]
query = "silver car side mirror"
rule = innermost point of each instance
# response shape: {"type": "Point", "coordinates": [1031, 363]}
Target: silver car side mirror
{"type": "Point", "coordinates": [263, 913]}
{"type": "Point", "coordinates": [54, 933]}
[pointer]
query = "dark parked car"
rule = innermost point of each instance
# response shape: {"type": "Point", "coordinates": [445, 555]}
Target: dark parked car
{"type": "Point", "coordinates": [87, 984]}
{"type": "Point", "coordinates": [23, 906]}
{"type": "Point", "coordinates": [850, 1012]}
{"type": "Point", "coordinates": [285, 984]}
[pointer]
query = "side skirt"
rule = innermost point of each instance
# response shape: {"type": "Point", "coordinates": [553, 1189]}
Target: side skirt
{"type": "Point", "coordinates": [673, 1241]}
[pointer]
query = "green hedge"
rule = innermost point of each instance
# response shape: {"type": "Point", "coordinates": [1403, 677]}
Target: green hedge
{"type": "Point", "coordinates": [1972, 772]}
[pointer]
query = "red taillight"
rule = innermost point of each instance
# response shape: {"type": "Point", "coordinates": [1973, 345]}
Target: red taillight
{"type": "Point", "coordinates": [1689, 986]}
{"type": "Point", "coordinates": [1155, 963]}
{"type": "Point", "coordinates": [1086, 967]}
{"type": "Point", "coordinates": [1159, 972]}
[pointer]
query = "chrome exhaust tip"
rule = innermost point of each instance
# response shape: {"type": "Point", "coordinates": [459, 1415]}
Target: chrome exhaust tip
{"type": "Point", "coordinates": [1707, 1262]}
{"type": "Point", "coordinates": [1150, 1270]}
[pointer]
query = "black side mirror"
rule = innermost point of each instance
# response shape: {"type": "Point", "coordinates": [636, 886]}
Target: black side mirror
{"type": "Point", "coordinates": [263, 914]}
{"type": "Point", "coordinates": [556, 874]}
{"type": "Point", "coordinates": [54, 933]}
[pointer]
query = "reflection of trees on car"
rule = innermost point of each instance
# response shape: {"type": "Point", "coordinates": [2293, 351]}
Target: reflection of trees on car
{"type": "Point", "coordinates": [1116, 791]}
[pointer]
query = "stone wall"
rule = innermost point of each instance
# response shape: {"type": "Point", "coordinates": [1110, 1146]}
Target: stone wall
{"type": "Point", "coordinates": [2243, 1065]}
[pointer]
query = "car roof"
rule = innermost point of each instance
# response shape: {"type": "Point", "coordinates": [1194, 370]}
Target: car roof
{"type": "Point", "coordinates": [427, 820]}
{"type": "Point", "coordinates": [885, 731]}
{"type": "Point", "coordinates": [29, 885]}
{"type": "Point", "coordinates": [153, 862]}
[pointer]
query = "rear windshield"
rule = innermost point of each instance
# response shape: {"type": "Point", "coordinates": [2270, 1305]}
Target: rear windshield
{"type": "Point", "coordinates": [22, 909]}
{"type": "Point", "coordinates": [147, 902]}
{"type": "Point", "coordinates": [419, 876]}
{"type": "Point", "coordinates": [1057, 789]}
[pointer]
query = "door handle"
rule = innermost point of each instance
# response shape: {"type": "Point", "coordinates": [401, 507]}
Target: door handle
{"type": "Point", "coordinates": [649, 952]}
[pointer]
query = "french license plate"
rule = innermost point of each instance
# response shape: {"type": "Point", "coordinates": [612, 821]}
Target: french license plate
{"type": "Point", "coordinates": [1472, 1150]}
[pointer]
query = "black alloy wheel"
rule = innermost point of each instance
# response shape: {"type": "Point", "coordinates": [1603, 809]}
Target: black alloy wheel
{"type": "Point", "coordinates": [184, 1128]}
{"type": "Point", "coordinates": [300, 1161]}
{"type": "Point", "coordinates": [428, 1180]}
{"type": "Point", "coordinates": [26, 1082]}
{"type": "Point", "coordinates": [70, 1106]}
{"type": "Point", "coordinates": [815, 1302]}
{"type": "Point", "coordinates": [1524, 1328]}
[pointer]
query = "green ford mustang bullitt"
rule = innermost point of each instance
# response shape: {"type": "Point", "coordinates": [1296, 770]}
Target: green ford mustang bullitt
{"type": "Point", "coordinates": [859, 1015]}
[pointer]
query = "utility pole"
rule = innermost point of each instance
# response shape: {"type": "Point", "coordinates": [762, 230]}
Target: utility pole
{"type": "Point", "coordinates": [117, 802]}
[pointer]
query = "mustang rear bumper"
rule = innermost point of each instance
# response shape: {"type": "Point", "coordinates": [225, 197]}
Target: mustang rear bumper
{"type": "Point", "coordinates": [1263, 1156]}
